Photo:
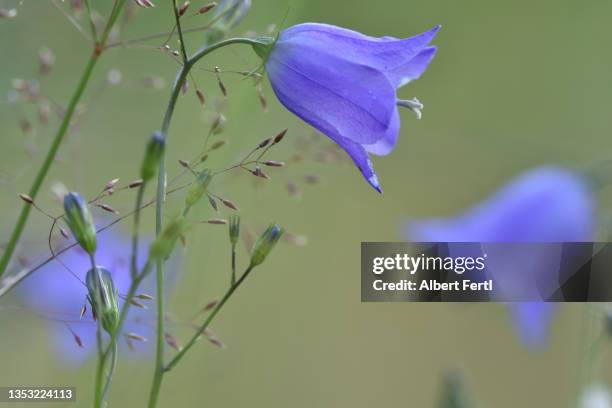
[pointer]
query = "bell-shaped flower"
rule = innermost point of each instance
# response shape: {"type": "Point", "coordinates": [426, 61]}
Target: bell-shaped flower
{"type": "Point", "coordinates": [546, 204]}
{"type": "Point", "coordinates": [344, 84]}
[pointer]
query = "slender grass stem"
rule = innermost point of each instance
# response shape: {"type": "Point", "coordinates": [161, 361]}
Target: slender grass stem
{"type": "Point", "coordinates": [175, 360]}
{"type": "Point", "coordinates": [59, 137]}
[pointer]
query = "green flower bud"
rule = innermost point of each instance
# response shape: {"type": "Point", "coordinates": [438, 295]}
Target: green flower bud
{"type": "Point", "coordinates": [265, 244]}
{"type": "Point", "coordinates": [163, 246]}
{"type": "Point", "coordinates": [103, 297]}
{"type": "Point", "coordinates": [234, 228]}
{"type": "Point", "coordinates": [197, 190]}
{"type": "Point", "coordinates": [80, 222]}
{"type": "Point", "coordinates": [153, 155]}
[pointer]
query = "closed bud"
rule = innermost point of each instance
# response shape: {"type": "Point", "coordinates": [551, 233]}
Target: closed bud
{"type": "Point", "coordinates": [80, 222]}
{"type": "Point", "coordinates": [103, 298]}
{"type": "Point", "coordinates": [234, 229]}
{"type": "Point", "coordinates": [205, 9]}
{"type": "Point", "coordinates": [280, 136]}
{"type": "Point", "coordinates": [163, 246]}
{"type": "Point", "coordinates": [265, 244]}
{"type": "Point", "coordinates": [153, 155]}
{"type": "Point", "coordinates": [183, 9]}
{"type": "Point", "coordinates": [197, 190]}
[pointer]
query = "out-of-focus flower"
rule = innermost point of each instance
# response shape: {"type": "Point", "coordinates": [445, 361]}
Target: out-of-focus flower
{"type": "Point", "coordinates": [232, 12]}
{"type": "Point", "coordinates": [596, 396]}
{"type": "Point", "coordinates": [344, 84]}
{"type": "Point", "coordinates": [56, 294]}
{"type": "Point", "coordinates": [546, 204]}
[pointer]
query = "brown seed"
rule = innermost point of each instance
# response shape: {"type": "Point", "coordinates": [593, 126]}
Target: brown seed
{"type": "Point", "coordinates": [217, 145]}
{"type": "Point", "coordinates": [144, 3]}
{"type": "Point", "coordinates": [262, 100]}
{"type": "Point", "coordinates": [264, 143]}
{"type": "Point", "coordinates": [217, 221]}
{"type": "Point", "coordinates": [64, 233]}
{"type": "Point", "coordinates": [135, 336]}
{"type": "Point", "coordinates": [137, 304]}
{"type": "Point", "coordinates": [273, 163]}
{"type": "Point", "coordinates": [280, 136]}
{"type": "Point", "coordinates": [184, 163]}
{"type": "Point", "coordinates": [201, 97]}
{"type": "Point", "coordinates": [135, 183]}
{"type": "Point", "coordinates": [259, 173]}
{"type": "Point", "coordinates": [207, 8]}
{"type": "Point", "coordinates": [210, 305]}
{"type": "Point", "coordinates": [204, 158]}
{"type": "Point", "coordinates": [107, 208]}
{"type": "Point", "coordinates": [111, 184]}
{"type": "Point", "coordinates": [214, 339]}
{"type": "Point", "coordinates": [213, 203]}
{"type": "Point", "coordinates": [183, 8]}
{"type": "Point", "coordinates": [229, 204]}
{"type": "Point", "coordinates": [26, 198]}
{"type": "Point", "coordinates": [83, 311]}
{"type": "Point", "coordinates": [172, 341]}
{"type": "Point", "coordinates": [77, 339]}
{"type": "Point", "coordinates": [144, 296]}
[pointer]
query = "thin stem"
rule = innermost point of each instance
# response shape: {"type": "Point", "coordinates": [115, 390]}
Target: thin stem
{"type": "Point", "coordinates": [111, 370]}
{"type": "Point", "coordinates": [92, 25]}
{"type": "Point", "coordinates": [207, 322]}
{"type": "Point", "coordinates": [233, 282]}
{"type": "Point", "coordinates": [179, 29]}
{"type": "Point", "coordinates": [135, 229]}
{"type": "Point", "coordinates": [59, 137]}
{"type": "Point", "coordinates": [160, 201]}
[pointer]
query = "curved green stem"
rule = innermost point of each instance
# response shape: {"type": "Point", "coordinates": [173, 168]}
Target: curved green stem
{"type": "Point", "coordinates": [160, 201]}
{"type": "Point", "coordinates": [111, 371]}
{"type": "Point", "coordinates": [207, 322]}
{"type": "Point", "coordinates": [59, 137]}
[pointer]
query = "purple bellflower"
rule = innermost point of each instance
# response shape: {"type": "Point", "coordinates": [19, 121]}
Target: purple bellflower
{"type": "Point", "coordinates": [344, 84]}
{"type": "Point", "coordinates": [56, 294]}
{"type": "Point", "coordinates": [546, 204]}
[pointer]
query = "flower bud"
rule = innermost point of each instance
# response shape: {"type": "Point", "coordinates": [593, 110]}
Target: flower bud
{"type": "Point", "coordinates": [234, 228]}
{"type": "Point", "coordinates": [163, 246]}
{"type": "Point", "coordinates": [265, 244]}
{"type": "Point", "coordinates": [153, 155]}
{"type": "Point", "coordinates": [80, 222]}
{"type": "Point", "coordinates": [103, 297]}
{"type": "Point", "coordinates": [197, 190]}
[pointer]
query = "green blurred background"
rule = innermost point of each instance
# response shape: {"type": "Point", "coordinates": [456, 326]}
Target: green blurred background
{"type": "Point", "coordinates": [515, 85]}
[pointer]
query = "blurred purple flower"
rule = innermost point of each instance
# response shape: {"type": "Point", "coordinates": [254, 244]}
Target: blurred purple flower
{"type": "Point", "coordinates": [54, 292]}
{"type": "Point", "coordinates": [546, 204]}
{"type": "Point", "coordinates": [232, 12]}
{"type": "Point", "coordinates": [344, 84]}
